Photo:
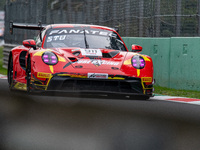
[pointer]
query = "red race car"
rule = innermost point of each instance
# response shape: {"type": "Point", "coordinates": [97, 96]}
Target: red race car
{"type": "Point", "coordinates": [79, 59]}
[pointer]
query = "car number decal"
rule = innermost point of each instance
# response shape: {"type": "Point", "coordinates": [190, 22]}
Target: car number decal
{"type": "Point", "coordinates": [98, 75]}
{"type": "Point", "coordinates": [91, 52]}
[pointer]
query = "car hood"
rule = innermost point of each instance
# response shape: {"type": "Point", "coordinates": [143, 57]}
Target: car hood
{"type": "Point", "coordinates": [103, 59]}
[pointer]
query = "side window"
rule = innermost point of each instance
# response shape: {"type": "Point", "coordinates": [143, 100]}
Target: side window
{"type": "Point", "coordinates": [38, 39]}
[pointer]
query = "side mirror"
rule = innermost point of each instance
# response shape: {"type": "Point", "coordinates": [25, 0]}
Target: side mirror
{"type": "Point", "coordinates": [136, 48]}
{"type": "Point", "coordinates": [29, 44]}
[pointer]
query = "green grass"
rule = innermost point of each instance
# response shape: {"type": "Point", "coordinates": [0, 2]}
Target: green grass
{"type": "Point", "coordinates": [2, 70]}
{"type": "Point", "coordinates": [173, 92]}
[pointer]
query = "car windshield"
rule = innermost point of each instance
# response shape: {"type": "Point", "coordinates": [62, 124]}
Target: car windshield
{"type": "Point", "coordinates": [83, 38]}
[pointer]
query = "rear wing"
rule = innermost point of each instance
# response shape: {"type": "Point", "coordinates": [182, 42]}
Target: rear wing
{"type": "Point", "coordinates": [38, 26]}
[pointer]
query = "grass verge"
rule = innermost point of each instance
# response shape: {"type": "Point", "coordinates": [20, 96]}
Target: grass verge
{"type": "Point", "coordinates": [2, 70]}
{"type": "Point", "coordinates": [173, 92]}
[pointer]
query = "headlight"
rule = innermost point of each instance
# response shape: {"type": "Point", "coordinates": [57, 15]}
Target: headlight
{"type": "Point", "coordinates": [138, 62]}
{"type": "Point", "coordinates": [49, 58]}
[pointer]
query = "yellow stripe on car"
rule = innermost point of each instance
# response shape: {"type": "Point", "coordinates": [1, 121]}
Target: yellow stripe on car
{"type": "Point", "coordinates": [61, 59]}
{"type": "Point", "coordinates": [127, 62]}
{"type": "Point", "coordinates": [39, 53]}
{"type": "Point", "coordinates": [51, 68]}
{"type": "Point", "coordinates": [146, 58]}
{"type": "Point", "coordinates": [116, 78]}
{"type": "Point", "coordinates": [138, 72]}
{"type": "Point", "coordinates": [20, 86]}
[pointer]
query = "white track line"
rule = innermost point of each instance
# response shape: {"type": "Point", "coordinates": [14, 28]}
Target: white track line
{"type": "Point", "coordinates": [178, 99]}
{"type": "Point", "coordinates": [3, 76]}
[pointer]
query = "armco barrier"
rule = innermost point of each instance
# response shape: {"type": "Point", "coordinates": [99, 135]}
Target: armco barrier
{"type": "Point", "coordinates": [6, 51]}
{"type": "Point", "coordinates": [176, 60]}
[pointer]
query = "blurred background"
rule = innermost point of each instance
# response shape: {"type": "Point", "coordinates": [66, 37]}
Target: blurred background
{"type": "Point", "coordinates": [135, 18]}
{"type": "Point", "coordinates": [2, 16]}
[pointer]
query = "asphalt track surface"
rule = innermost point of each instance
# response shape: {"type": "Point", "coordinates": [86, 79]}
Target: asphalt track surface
{"type": "Point", "coordinates": [38, 122]}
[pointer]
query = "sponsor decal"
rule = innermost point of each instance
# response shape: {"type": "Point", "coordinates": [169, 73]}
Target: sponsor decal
{"type": "Point", "coordinates": [97, 61]}
{"type": "Point", "coordinates": [43, 75]}
{"type": "Point", "coordinates": [147, 79]}
{"type": "Point", "coordinates": [98, 75]}
{"type": "Point", "coordinates": [62, 34]}
{"type": "Point", "coordinates": [91, 52]}
{"type": "Point", "coordinates": [80, 31]}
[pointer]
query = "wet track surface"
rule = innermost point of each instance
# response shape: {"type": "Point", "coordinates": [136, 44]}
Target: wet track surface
{"type": "Point", "coordinates": [55, 122]}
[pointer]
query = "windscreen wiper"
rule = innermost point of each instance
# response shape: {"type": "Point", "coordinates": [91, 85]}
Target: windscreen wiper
{"type": "Point", "coordinates": [86, 43]}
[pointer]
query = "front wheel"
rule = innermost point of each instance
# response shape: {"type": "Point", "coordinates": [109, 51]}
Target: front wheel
{"type": "Point", "coordinates": [141, 97]}
{"type": "Point", "coordinates": [28, 75]}
{"type": "Point", "coordinates": [10, 72]}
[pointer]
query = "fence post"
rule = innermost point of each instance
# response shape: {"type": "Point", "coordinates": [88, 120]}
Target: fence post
{"type": "Point", "coordinates": [178, 17]}
{"type": "Point", "coordinates": [198, 17]}
{"type": "Point", "coordinates": [114, 14]}
{"type": "Point", "coordinates": [127, 18]}
{"type": "Point", "coordinates": [157, 15]}
{"type": "Point", "coordinates": [101, 12]}
{"type": "Point", "coordinates": [88, 18]}
{"type": "Point", "coordinates": [141, 16]}
{"type": "Point", "coordinates": [44, 12]}
{"type": "Point", "coordinates": [69, 11]}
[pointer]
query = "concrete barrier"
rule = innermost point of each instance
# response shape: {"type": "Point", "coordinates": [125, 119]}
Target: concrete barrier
{"type": "Point", "coordinates": [176, 60]}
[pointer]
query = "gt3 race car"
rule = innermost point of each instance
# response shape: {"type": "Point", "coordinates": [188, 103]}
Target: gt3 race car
{"type": "Point", "coordinates": [79, 59]}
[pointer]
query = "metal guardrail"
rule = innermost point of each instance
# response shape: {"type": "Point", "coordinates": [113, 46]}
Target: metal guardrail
{"type": "Point", "coordinates": [6, 51]}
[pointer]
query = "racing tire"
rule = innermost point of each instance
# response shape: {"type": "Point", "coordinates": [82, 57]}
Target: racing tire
{"type": "Point", "coordinates": [10, 72]}
{"type": "Point", "coordinates": [144, 97]}
{"type": "Point", "coordinates": [28, 75]}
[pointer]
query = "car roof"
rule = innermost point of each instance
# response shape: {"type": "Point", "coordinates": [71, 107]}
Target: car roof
{"type": "Point", "coordinates": [78, 25]}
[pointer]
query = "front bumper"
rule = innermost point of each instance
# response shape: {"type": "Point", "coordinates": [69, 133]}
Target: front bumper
{"type": "Point", "coordinates": [129, 86]}
{"type": "Point", "coordinates": [71, 84]}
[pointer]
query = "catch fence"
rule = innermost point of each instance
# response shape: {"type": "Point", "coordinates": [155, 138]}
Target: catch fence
{"type": "Point", "coordinates": [134, 18]}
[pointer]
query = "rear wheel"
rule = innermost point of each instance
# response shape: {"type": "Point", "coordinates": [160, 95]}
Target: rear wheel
{"type": "Point", "coordinates": [10, 72]}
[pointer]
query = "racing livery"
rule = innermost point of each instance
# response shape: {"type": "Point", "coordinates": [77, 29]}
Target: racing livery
{"type": "Point", "coordinates": [79, 58]}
